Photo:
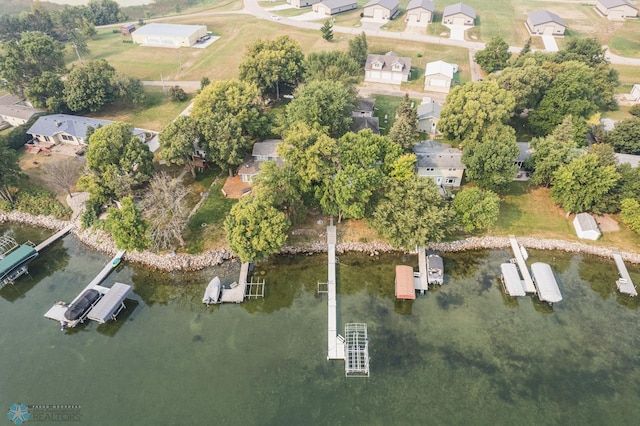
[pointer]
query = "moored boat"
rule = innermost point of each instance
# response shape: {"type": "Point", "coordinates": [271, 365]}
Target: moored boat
{"type": "Point", "coordinates": [212, 292]}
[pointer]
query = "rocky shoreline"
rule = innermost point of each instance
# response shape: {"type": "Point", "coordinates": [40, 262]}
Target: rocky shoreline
{"type": "Point", "coordinates": [101, 241]}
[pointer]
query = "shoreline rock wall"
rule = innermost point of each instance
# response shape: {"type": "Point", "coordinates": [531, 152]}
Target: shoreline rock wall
{"type": "Point", "coordinates": [101, 241]}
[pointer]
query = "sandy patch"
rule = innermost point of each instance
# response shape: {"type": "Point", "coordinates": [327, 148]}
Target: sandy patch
{"type": "Point", "coordinates": [607, 223]}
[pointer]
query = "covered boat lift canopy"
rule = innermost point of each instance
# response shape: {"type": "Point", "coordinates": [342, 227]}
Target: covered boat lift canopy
{"type": "Point", "coordinates": [545, 282]}
{"type": "Point", "coordinates": [405, 288]}
{"type": "Point", "coordinates": [511, 280]}
{"type": "Point", "coordinates": [111, 304]}
{"type": "Point", "coordinates": [13, 261]}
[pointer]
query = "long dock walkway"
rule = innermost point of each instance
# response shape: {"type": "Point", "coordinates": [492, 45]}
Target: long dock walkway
{"type": "Point", "coordinates": [527, 282]}
{"type": "Point", "coordinates": [335, 342]}
{"type": "Point", "coordinates": [236, 293]}
{"type": "Point", "coordinates": [420, 282]}
{"type": "Point", "coordinates": [624, 283]}
{"type": "Point", "coordinates": [55, 237]}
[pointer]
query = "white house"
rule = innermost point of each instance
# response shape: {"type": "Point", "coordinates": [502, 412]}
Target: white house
{"type": "Point", "coordinates": [543, 22]}
{"type": "Point", "coordinates": [419, 13]}
{"type": "Point", "coordinates": [333, 7]}
{"type": "Point", "coordinates": [16, 112]}
{"type": "Point", "coordinates": [459, 14]}
{"type": "Point", "coordinates": [616, 9]}
{"type": "Point", "coordinates": [635, 93]}
{"type": "Point", "coordinates": [381, 10]}
{"type": "Point", "coordinates": [586, 227]}
{"type": "Point", "coordinates": [440, 162]}
{"type": "Point", "coordinates": [438, 76]}
{"type": "Point", "coordinates": [387, 68]}
{"type": "Point", "coordinates": [168, 35]}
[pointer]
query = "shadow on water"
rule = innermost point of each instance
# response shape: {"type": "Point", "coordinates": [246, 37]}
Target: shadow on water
{"type": "Point", "coordinates": [540, 306]}
{"type": "Point", "coordinates": [463, 265]}
{"type": "Point", "coordinates": [509, 301]}
{"type": "Point", "coordinates": [110, 328]}
{"type": "Point", "coordinates": [600, 274]}
{"type": "Point", "coordinates": [403, 307]}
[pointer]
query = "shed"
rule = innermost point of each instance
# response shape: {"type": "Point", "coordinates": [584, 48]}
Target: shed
{"type": "Point", "coordinates": [127, 29]}
{"type": "Point", "coordinates": [616, 9]}
{"type": "Point", "coordinates": [543, 22]}
{"type": "Point", "coordinates": [428, 116]}
{"type": "Point", "coordinates": [405, 288]}
{"type": "Point", "coordinates": [419, 12]}
{"type": "Point", "coordinates": [333, 7]}
{"type": "Point", "coordinates": [438, 76]}
{"type": "Point", "coordinates": [381, 10]}
{"type": "Point", "coordinates": [459, 14]}
{"type": "Point", "coordinates": [586, 227]}
{"type": "Point", "coordinates": [169, 35]}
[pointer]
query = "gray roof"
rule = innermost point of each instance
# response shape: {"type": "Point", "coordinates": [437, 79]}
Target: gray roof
{"type": "Point", "coordinates": [587, 222]}
{"type": "Point", "coordinates": [177, 30]}
{"type": "Point", "coordinates": [437, 154]}
{"type": "Point", "coordinates": [365, 104]}
{"type": "Point", "coordinates": [9, 100]}
{"type": "Point", "coordinates": [525, 151]}
{"type": "Point", "coordinates": [511, 279]}
{"type": "Point", "coordinates": [633, 160]}
{"type": "Point", "coordinates": [333, 4]}
{"type": "Point", "coordinates": [388, 4]}
{"type": "Point", "coordinates": [50, 125]}
{"type": "Point", "coordinates": [540, 17]}
{"type": "Point", "coordinates": [459, 8]}
{"type": "Point", "coordinates": [19, 111]}
{"type": "Point", "coordinates": [615, 3]}
{"type": "Point", "coordinates": [267, 148]}
{"type": "Point", "coordinates": [425, 4]}
{"type": "Point", "coordinates": [429, 110]}
{"type": "Point", "coordinates": [545, 281]}
{"type": "Point", "coordinates": [362, 123]}
{"type": "Point", "coordinates": [388, 59]}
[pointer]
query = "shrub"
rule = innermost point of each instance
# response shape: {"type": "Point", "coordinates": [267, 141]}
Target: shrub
{"type": "Point", "coordinates": [635, 110]}
{"type": "Point", "coordinates": [177, 94]}
{"type": "Point", "coordinates": [40, 202]}
{"type": "Point", "coordinates": [91, 213]}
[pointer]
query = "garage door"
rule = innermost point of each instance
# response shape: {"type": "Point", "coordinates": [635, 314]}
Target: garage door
{"type": "Point", "coordinates": [378, 14]}
{"type": "Point", "coordinates": [548, 30]}
{"type": "Point", "coordinates": [437, 82]}
{"type": "Point", "coordinates": [413, 19]}
{"type": "Point", "coordinates": [458, 20]}
{"type": "Point", "coordinates": [424, 17]}
{"type": "Point", "coordinates": [616, 14]}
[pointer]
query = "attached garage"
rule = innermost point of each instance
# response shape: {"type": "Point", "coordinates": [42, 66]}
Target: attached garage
{"type": "Point", "coordinates": [333, 7]}
{"type": "Point", "coordinates": [168, 35]}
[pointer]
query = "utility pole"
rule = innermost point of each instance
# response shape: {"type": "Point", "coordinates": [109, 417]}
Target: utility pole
{"type": "Point", "coordinates": [75, 47]}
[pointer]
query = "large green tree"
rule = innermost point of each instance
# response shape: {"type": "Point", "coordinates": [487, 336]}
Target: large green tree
{"type": "Point", "coordinates": [127, 226]}
{"type": "Point", "coordinates": [268, 63]}
{"type": "Point", "coordinates": [472, 108]}
{"type": "Point", "coordinates": [328, 104]}
{"type": "Point", "coordinates": [586, 50]}
{"type": "Point", "coordinates": [625, 136]}
{"type": "Point", "coordinates": [527, 83]}
{"type": "Point", "coordinates": [476, 209]}
{"type": "Point", "coordinates": [255, 228]}
{"type": "Point", "coordinates": [580, 185]}
{"type": "Point", "coordinates": [358, 48]}
{"type": "Point", "coordinates": [90, 86]}
{"type": "Point", "coordinates": [104, 12]}
{"type": "Point", "coordinates": [411, 213]}
{"type": "Point", "coordinates": [630, 213]}
{"type": "Point", "coordinates": [552, 151]}
{"type": "Point", "coordinates": [404, 128]}
{"type": "Point", "coordinates": [283, 185]}
{"type": "Point", "coordinates": [45, 91]}
{"type": "Point", "coordinates": [333, 65]}
{"type": "Point", "coordinates": [494, 56]}
{"type": "Point", "coordinates": [177, 142]}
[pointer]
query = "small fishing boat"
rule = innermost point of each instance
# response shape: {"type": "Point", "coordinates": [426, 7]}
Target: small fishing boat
{"type": "Point", "coordinates": [212, 293]}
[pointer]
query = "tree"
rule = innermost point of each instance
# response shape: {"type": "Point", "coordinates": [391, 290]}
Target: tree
{"type": "Point", "coordinates": [476, 209]}
{"type": "Point", "coordinates": [327, 30]}
{"type": "Point", "coordinates": [117, 162]}
{"type": "Point", "coordinates": [90, 87]}
{"type": "Point", "coordinates": [204, 82]}
{"type": "Point", "coordinates": [127, 227]}
{"type": "Point", "coordinates": [527, 83]}
{"type": "Point", "coordinates": [630, 213]}
{"type": "Point", "coordinates": [177, 142]}
{"type": "Point", "coordinates": [333, 65]}
{"type": "Point", "coordinates": [552, 152]}
{"type": "Point", "coordinates": [228, 117]}
{"type": "Point", "coordinates": [471, 108]}
{"type": "Point", "coordinates": [586, 50]}
{"type": "Point", "coordinates": [166, 211]}
{"type": "Point", "coordinates": [45, 91]}
{"type": "Point", "coordinates": [526, 48]}
{"type": "Point", "coordinates": [177, 94]}
{"type": "Point", "coordinates": [605, 153]}
{"type": "Point", "coordinates": [328, 104]}
{"type": "Point", "coordinates": [283, 185]}
{"type": "Point", "coordinates": [78, 42]}
{"type": "Point", "coordinates": [103, 12]}
{"type": "Point", "coordinates": [625, 136]}
{"type": "Point", "coordinates": [10, 174]}
{"type": "Point", "coordinates": [269, 63]}
{"type": "Point", "coordinates": [358, 49]}
{"type": "Point", "coordinates": [404, 128]}
{"type": "Point", "coordinates": [412, 213]}
{"type": "Point", "coordinates": [63, 173]}
{"type": "Point", "coordinates": [579, 185]}
{"type": "Point", "coordinates": [491, 161]}
{"type": "Point", "coordinates": [494, 56]}
{"type": "Point", "coordinates": [255, 229]}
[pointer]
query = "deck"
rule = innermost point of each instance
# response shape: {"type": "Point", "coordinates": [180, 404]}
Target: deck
{"type": "Point", "coordinates": [420, 281]}
{"type": "Point", "coordinates": [234, 187]}
{"type": "Point", "coordinates": [528, 285]}
{"type": "Point", "coordinates": [624, 283]}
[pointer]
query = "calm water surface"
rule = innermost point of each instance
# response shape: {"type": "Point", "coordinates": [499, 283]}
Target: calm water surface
{"type": "Point", "coordinates": [463, 354]}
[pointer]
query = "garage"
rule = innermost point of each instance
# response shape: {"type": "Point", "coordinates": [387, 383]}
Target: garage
{"type": "Point", "coordinates": [548, 30]}
{"type": "Point", "coordinates": [168, 35]}
{"type": "Point", "coordinates": [616, 14]}
{"type": "Point", "coordinates": [458, 20]}
{"type": "Point", "coordinates": [378, 14]}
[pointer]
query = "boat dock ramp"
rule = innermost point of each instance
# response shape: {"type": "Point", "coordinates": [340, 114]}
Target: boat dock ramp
{"type": "Point", "coordinates": [242, 289]}
{"type": "Point", "coordinates": [624, 283]}
{"type": "Point", "coordinates": [95, 302]}
{"type": "Point", "coordinates": [55, 237]}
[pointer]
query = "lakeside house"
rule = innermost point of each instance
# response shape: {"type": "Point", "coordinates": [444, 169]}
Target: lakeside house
{"type": "Point", "coordinates": [419, 13]}
{"type": "Point", "coordinates": [459, 14]}
{"type": "Point", "coordinates": [240, 185]}
{"type": "Point", "coordinates": [440, 162]}
{"type": "Point", "coordinates": [388, 68]}
{"type": "Point", "coordinates": [616, 10]}
{"type": "Point", "coordinates": [333, 7]}
{"type": "Point", "coordinates": [543, 22]}
{"type": "Point", "coordinates": [15, 112]}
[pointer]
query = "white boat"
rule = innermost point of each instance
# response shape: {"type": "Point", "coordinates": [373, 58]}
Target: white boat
{"type": "Point", "coordinates": [212, 293]}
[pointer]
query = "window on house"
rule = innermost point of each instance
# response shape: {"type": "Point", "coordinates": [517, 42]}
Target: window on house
{"type": "Point", "coordinates": [449, 180]}
{"type": "Point", "coordinates": [46, 138]}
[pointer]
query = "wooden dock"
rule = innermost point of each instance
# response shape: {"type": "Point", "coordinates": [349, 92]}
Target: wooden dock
{"type": "Point", "coordinates": [420, 281]}
{"type": "Point", "coordinates": [243, 288]}
{"type": "Point", "coordinates": [624, 283]}
{"type": "Point", "coordinates": [55, 237]}
{"type": "Point", "coordinates": [527, 281]}
{"type": "Point", "coordinates": [335, 342]}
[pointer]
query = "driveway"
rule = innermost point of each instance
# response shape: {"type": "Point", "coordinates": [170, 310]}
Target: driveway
{"type": "Point", "coordinates": [309, 16]}
{"type": "Point", "coordinates": [550, 44]}
{"type": "Point", "coordinates": [457, 31]}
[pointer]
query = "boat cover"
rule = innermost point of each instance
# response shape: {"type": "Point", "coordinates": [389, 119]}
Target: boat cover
{"type": "Point", "coordinates": [86, 300]}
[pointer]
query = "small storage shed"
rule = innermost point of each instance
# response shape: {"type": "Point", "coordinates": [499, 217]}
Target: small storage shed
{"type": "Point", "coordinates": [169, 35]}
{"type": "Point", "coordinates": [405, 288]}
{"type": "Point", "coordinates": [127, 29]}
{"type": "Point", "coordinates": [586, 227]}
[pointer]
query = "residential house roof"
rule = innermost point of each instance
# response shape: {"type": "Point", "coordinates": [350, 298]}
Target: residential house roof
{"type": "Point", "coordinates": [267, 148]}
{"type": "Point", "coordinates": [525, 151]}
{"type": "Point", "coordinates": [333, 4]}
{"type": "Point", "coordinates": [615, 3]}
{"type": "Point", "coordinates": [633, 160]}
{"type": "Point", "coordinates": [9, 100]}
{"type": "Point", "coordinates": [587, 222]}
{"type": "Point", "coordinates": [176, 30]}
{"type": "Point", "coordinates": [429, 110]}
{"type": "Point", "coordinates": [425, 4]}
{"type": "Point", "coordinates": [387, 4]}
{"type": "Point", "coordinates": [365, 105]}
{"type": "Point", "coordinates": [361, 123]}
{"type": "Point", "coordinates": [540, 17]}
{"type": "Point", "coordinates": [439, 67]}
{"type": "Point", "coordinates": [19, 111]}
{"type": "Point", "coordinates": [453, 9]}
{"type": "Point", "coordinates": [437, 154]}
{"type": "Point", "coordinates": [388, 59]}
{"type": "Point", "coordinates": [73, 125]}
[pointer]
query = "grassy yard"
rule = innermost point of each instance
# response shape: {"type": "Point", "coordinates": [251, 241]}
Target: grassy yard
{"type": "Point", "coordinates": [386, 106]}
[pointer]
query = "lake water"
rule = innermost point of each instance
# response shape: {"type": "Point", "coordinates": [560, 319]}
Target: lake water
{"type": "Point", "coordinates": [463, 354]}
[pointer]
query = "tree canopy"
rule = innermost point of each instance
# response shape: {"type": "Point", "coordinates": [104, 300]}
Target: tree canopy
{"type": "Point", "coordinates": [630, 214]}
{"type": "Point", "coordinates": [404, 128]}
{"type": "Point", "coordinates": [552, 151]}
{"type": "Point", "coordinates": [327, 30]}
{"type": "Point", "coordinates": [127, 227]}
{"type": "Point", "coordinates": [177, 141]}
{"type": "Point", "coordinates": [625, 136]}
{"type": "Point", "coordinates": [476, 209]}
{"type": "Point", "coordinates": [358, 49]}
{"type": "Point", "coordinates": [333, 65]}
{"type": "Point", "coordinates": [527, 83]}
{"type": "Point", "coordinates": [494, 56]}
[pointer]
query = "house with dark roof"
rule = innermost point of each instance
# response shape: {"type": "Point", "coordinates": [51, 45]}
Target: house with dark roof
{"type": "Point", "coordinates": [440, 162]}
{"type": "Point", "coordinates": [381, 10]}
{"type": "Point", "coordinates": [363, 123]}
{"type": "Point", "coordinates": [616, 10]}
{"type": "Point", "coordinates": [419, 13]}
{"type": "Point", "coordinates": [459, 14]}
{"type": "Point", "coordinates": [333, 7]}
{"type": "Point", "coordinates": [364, 107]}
{"type": "Point", "coordinates": [387, 68]}
{"type": "Point", "coordinates": [15, 112]}
{"type": "Point", "coordinates": [428, 116]}
{"type": "Point", "coordinates": [543, 22]}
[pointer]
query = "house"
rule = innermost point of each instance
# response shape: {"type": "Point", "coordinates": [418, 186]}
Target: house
{"type": "Point", "coordinates": [543, 22]}
{"type": "Point", "coordinates": [438, 76]}
{"type": "Point", "coordinates": [440, 162]}
{"type": "Point", "coordinates": [387, 68]}
{"type": "Point", "coordinates": [635, 93]}
{"type": "Point", "coordinates": [262, 151]}
{"type": "Point", "coordinates": [586, 227]}
{"type": "Point", "coordinates": [302, 3]}
{"type": "Point", "coordinates": [381, 10]}
{"type": "Point", "coordinates": [616, 9]}
{"type": "Point", "coordinates": [459, 14]}
{"type": "Point", "coordinates": [169, 35]}
{"type": "Point", "coordinates": [428, 116]}
{"type": "Point", "coordinates": [364, 108]}
{"type": "Point", "coordinates": [333, 7]}
{"type": "Point", "coordinates": [127, 29]}
{"type": "Point", "coordinates": [58, 129]}
{"type": "Point", "coordinates": [419, 13]}
{"type": "Point", "coordinates": [16, 112]}
{"type": "Point", "coordinates": [362, 123]}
